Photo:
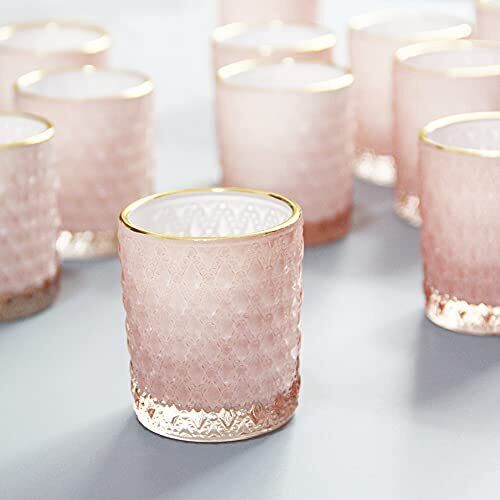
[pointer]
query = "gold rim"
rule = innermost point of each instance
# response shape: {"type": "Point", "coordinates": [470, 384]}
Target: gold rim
{"type": "Point", "coordinates": [315, 44]}
{"type": "Point", "coordinates": [487, 5]}
{"type": "Point", "coordinates": [38, 138]}
{"type": "Point", "coordinates": [294, 217]}
{"type": "Point", "coordinates": [461, 30]}
{"type": "Point", "coordinates": [21, 87]}
{"type": "Point", "coordinates": [101, 43]}
{"type": "Point", "coordinates": [461, 118]}
{"type": "Point", "coordinates": [225, 73]}
{"type": "Point", "coordinates": [404, 56]}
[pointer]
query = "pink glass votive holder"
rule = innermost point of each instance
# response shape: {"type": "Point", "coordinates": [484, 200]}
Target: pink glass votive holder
{"type": "Point", "coordinates": [212, 288]}
{"type": "Point", "coordinates": [240, 41]}
{"type": "Point", "coordinates": [459, 179]}
{"type": "Point", "coordinates": [288, 127]}
{"type": "Point", "coordinates": [433, 80]}
{"type": "Point", "coordinates": [29, 219]}
{"type": "Point", "coordinates": [302, 11]}
{"type": "Point", "coordinates": [488, 19]}
{"type": "Point", "coordinates": [46, 44]}
{"type": "Point", "coordinates": [376, 37]}
{"type": "Point", "coordinates": [103, 148]}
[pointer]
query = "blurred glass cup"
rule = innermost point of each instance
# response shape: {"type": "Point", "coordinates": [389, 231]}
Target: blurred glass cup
{"type": "Point", "coordinates": [488, 19]}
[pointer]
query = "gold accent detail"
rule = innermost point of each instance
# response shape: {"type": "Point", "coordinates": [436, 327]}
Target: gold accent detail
{"type": "Point", "coordinates": [404, 55]}
{"type": "Point", "coordinates": [101, 43]}
{"type": "Point", "coordinates": [461, 118]}
{"type": "Point", "coordinates": [294, 217]}
{"type": "Point", "coordinates": [87, 244]}
{"type": "Point", "coordinates": [364, 21]}
{"type": "Point", "coordinates": [43, 136]}
{"type": "Point", "coordinates": [140, 90]}
{"type": "Point", "coordinates": [316, 44]}
{"type": "Point", "coordinates": [487, 5]}
{"type": "Point", "coordinates": [224, 425]}
{"type": "Point", "coordinates": [332, 84]}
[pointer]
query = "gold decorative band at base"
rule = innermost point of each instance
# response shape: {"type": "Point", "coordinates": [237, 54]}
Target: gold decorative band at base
{"type": "Point", "coordinates": [407, 207]}
{"type": "Point", "coordinates": [460, 316]}
{"type": "Point", "coordinates": [326, 231]}
{"type": "Point", "coordinates": [375, 169]}
{"type": "Point", "coordinates": [29, 302]}
{"type": "Point", "coordinates": [227, 424]}
{"type": "Point", "coordinates": [87, 244]}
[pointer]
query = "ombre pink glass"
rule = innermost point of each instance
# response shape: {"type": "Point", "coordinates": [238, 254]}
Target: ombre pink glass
{"type": "Point", "coordinates": [47, 44]}
{"type": "Point", "coordinates": [240, 41]}
{"type": "Point", "coordinates": [103, 148]}
{"type": "Point", "coordinates": [288, 127]}
{"type": "Point", "coordinates": [459, 179]}
{"type": "Point", "coordinates": [212, 282]}
{"type": "Point", "coordinates": [376, 37]}
{"type": "Point", "coordinates": [431, 81]}
{"type": "Point", "coordinates": [488, 19]}
{"type": "Point", "coordinates": [230, 11]}
{"type": "Point", "coordinates": [29, 219]}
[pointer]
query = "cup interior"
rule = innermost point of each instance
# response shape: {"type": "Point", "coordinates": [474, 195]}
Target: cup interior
{"type": "Point", "coordinates": [209, 214]}
{"type": "Point", "coordinates": [16, 128]}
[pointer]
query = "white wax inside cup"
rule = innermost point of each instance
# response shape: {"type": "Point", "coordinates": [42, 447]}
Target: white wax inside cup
{"type": "Point", "coordinates": [87, 83]}
{"type": "Point", "coordinates": [210, 214]}
{"type": "Point", "coordinates": [475, 134]}
{"type": "Point", "coordinates": [275, 35]}
{"type": "Point", "coordinates": [469, 57]}
{"type": "Point", "coordinates": [411, 25]}
{"type": "Point", "coordinates": [51, 37]}
{"type": "Point", "coordinates": [15, 128]}
{"type": "Point", "coordinates": [287, 75]}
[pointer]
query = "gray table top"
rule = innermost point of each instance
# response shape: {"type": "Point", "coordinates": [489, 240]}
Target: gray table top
{"type": "Point", "coordinates": [391, 406]}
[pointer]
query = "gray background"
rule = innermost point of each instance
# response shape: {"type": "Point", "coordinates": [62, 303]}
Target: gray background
{"type": "Point", "coordinates": [391, 407]}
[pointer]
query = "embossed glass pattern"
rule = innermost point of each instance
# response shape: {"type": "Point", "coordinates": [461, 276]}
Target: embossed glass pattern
{"type": "Point", "coordinates": [376, 37]}
{"type": "Point", "coordinates": [103, 148]}
{"type": "Point", "coordinates": [230, 11]}
{"type": "Point", "coordinates": [459, 177]}
{"type": "Point", "coordinates": [29, 220]}
{"type": "Point", "coordinates": [431, 81]}
{"type": "Point", "coordinates": [240, 41]}
{"type": "Point", "coordinates": [44, 45]}
{"type": "Point", "coordinates": [488, 19]}
{"type": "Point", "coordinates": [212, 285]}
{"type": "Point", "coordinates": [288, 127]}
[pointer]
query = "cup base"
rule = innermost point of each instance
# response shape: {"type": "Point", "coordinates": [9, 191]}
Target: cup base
{"type": "Point", "coordinates": [375, 169]}
{"type": "Point", "coordinates": [32, 301]}
{"type": "Point", "coordinates": [407, 208]}
{"type": "Point", "coordinates": [459, 316]}
{"type": "Point", "coordinates": [225, 425]}
{"type": "Point", "coordinates": [87, 244]}
{"type": "Point", "coordinates": [327, 231]}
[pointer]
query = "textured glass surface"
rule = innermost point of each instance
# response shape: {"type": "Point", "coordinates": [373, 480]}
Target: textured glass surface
{"type": "Point", "coordinates": [488, 20]}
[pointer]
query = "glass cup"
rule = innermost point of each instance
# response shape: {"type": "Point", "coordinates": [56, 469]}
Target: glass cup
{"type": "Point", "coordinates": [433, 80]}
{"type": "Point", "coordinates": [29, 219]}
{"type": "Point", "coordinates": [288, 127]}
{"type": "Point", "coordinates": [45, 44]}
{"type": "Point", "coordinates": [256, 11]}
{"type": "Point", "coordinates": [212, 288]}
{"type": "Point", "coordinates": [241, 41]}
{"type": "Point", "coordinates": [488, 19]}
{"type": "Point", "coordinates": [459, 179]}
{"type": "Point", "coordinates": [103, 148]}
{"type": "Point", "coordinates": [376, 37]}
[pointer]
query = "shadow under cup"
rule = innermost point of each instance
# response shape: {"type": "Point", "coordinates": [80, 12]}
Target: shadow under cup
{"type": "Point", "coordinates": [459, 179]}
{"type": "Point", "coordinates": [212, 288]}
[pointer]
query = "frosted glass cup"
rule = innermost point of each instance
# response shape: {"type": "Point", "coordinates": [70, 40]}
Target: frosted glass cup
{"type": "Point", "coordinates": [240, 41]}
{"type": "Point", "coordinates": [103, 148]}
{"type": "Point", "coordinates": [376, 37]}
{"type": "Point", "coordinates": [459, 179]}
{"type": "Point", "coordinates": [302, 11]}
{"type": "Point", "coordinates": [288, 127]}
{"type": "Point", "coordinates": [433, 80]}
{"type": "Point", "coordinates": [29, 219]}
{"type": "Point", "coordinates": [47, 44]}
{"type": "Point", "coordinates": [212, 287]}
{"type": "Point", "coordinates": [488, 19]}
